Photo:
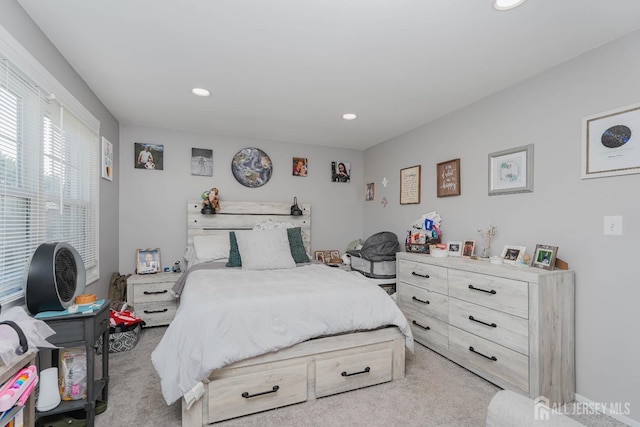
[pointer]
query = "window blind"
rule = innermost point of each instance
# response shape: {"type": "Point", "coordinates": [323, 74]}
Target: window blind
{"type": "Point", "coordinates": [48, 179]}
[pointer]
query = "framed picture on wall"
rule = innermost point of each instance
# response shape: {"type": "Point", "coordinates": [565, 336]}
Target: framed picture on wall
{"type": "Point", "coordinates": [448, 178]}
{"type": "Point", "coordinates": [340, 171]}
{"type": "Point", "coordinates": [107, 159]}
{"type": "Point", "coordinates": [370, 192]}
{"type": "Point", "coordinates": [611, 143]}
{"type": "Point", "coordinates": [201, 162]}
{"type": "Point", "coordinates": [300, 166]}
{"type": "Point", "coordinates": [410, 185]}
{"type": "Point", "coordinates": [511, 171]}
{"type": "Point", "coordinates": [149, 156]}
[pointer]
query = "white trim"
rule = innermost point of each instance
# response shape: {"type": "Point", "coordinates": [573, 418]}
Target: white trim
{"type": "Point", "coordinates": [21, 57]}
{"type": "Point", "coordinates": [622, 418]}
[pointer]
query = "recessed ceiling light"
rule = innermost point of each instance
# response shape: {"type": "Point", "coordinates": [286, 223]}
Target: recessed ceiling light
{"type": "Point", "coordinates": [349, 116]}
{"type": "Point", "coordinates": [198, 91]}
{"type": "Point", "coordinates": [506, 4]}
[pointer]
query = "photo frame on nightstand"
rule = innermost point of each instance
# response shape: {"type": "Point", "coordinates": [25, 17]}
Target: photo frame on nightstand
{"type": "Point", "coordinates": [148, 261]}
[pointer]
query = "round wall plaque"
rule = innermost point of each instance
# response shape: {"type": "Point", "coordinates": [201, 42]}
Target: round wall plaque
{"type": "Point", "coordinates": [251, 167]}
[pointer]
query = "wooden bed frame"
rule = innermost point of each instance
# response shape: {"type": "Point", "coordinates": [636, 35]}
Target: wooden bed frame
{"type": "Point", "coordinates": [311, 369]}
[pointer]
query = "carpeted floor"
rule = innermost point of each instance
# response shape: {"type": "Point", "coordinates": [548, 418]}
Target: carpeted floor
{"type": "Point", "coordinates": [435, 392]}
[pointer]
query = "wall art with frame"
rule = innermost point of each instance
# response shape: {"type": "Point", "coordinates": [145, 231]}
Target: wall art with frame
{"type": "Point", "coordinates": [611, 143]}
{"type": "Point", "coordinates": [511, 171]}
{"type": "Point", "coordinates": [448, 178]}
{"type": "Point", "coordinates": [107, 159]}
{"type": "Point", "coordinates": [149, 156]}
{"type": "Point", "coordinates": [410, 185]}
{"type": "Point", "coordinates": [201, 162]}
{"type": "Point", "coordinates": [370, 192]}
{"type": "Point", "coordinates": [545, 257]}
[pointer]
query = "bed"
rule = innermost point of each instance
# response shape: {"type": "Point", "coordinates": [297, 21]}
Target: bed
{"type": "Point", "coordinates": [252, 338]}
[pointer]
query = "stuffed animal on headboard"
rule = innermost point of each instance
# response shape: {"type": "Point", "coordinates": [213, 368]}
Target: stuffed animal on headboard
{"type": "Point", "coordinates": [210, 202]}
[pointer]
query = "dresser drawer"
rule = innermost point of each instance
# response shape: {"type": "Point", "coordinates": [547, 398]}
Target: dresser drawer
{"type": "Point", "coordinates": [498, 361]}
{"type": "Point", "coordinates": [246, 394]}
{"type": "Point", "coordinates": [156, 313]}
{"type": "Point", "coordinates": [429, 331]}
{"type": "Point", "coordinates": [502, 328]}
{"type": "Point", "coordinates": [430, 277]}
{"type": "Point", "coordinates": [345, 373]}
{"type": "Point", "coordinates": [414, 300]}
{"type": "Point", "coordinates": [507, 295]}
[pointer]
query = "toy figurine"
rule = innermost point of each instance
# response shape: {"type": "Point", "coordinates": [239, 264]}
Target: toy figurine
{"type": "Point", "coordinates": [210, 202]}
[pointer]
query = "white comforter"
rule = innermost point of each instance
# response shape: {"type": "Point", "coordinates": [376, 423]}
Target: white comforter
{"type": "Point", "coordinates": [233, 314]}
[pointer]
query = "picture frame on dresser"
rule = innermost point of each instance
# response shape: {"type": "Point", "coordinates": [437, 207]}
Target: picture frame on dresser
{"type": "Point", "coordinates": [148, 261]}
{"type": "Point", "coordinates": [468, 246]}
{"type": "Point", "coordinates": [454, 248]}
{"type": "Point", "coordinates": [545, 257]}
{"type": "Point", "coordinates": [511, 254]}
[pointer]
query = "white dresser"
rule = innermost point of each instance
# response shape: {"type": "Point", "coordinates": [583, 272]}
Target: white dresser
{"type": "Point", "coordinates": [151, 297]}
{"type": "Point", "coordinates": [513, 326]}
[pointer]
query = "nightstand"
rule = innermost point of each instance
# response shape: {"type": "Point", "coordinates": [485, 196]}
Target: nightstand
{"type": "Point", "coordinates": [151, 297]}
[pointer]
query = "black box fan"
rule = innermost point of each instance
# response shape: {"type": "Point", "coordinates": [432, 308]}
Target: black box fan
{"type": "Point", "coordinates": [55, 275]}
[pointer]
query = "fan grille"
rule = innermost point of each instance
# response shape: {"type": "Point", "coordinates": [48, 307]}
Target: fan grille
{"type": "Point", "coordinates": [66, 273]}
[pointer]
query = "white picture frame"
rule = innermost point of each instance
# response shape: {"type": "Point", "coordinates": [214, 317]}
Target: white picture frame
{"type": "Point", "coordinates": [512, 254]}
{"type": "Point", "coordinates": [611, 143]}
{"type": "Point", "coordinates": [107, 159]}
{"type": "Point", "coordinates": [511, 171]}
{"type": "Point", "coordinates": [454, 248]}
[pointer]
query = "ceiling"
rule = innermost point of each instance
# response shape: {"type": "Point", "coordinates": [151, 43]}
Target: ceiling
{"type": "Point", "coordinates": [288, 69]}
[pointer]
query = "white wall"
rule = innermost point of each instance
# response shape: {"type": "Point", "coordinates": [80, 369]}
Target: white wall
{"type": "Point", "coordinates": [16, 21]}
{"type": "Point", "coordinates": [563, 210]}
{"type": "Point", "coordinates": [154, 203]}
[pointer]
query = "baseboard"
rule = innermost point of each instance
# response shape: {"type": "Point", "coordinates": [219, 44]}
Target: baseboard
{"type": "Point", "coordinates": [607, 411]}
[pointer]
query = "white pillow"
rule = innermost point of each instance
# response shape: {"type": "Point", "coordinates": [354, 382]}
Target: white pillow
{"type": "Point", "coordinates": [212, 248]}
{"type": "Point", "coordinates": [264, 249]}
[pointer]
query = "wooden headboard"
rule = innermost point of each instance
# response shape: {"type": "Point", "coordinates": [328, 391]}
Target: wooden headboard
{"type": "Point", "coordinates": [243, 216]}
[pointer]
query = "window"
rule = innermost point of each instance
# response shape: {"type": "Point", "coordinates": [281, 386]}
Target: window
{"type": "Point", "coordinates": [48, 179]}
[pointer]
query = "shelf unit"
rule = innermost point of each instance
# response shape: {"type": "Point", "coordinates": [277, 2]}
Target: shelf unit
{"type": "Point", "coordinates": [6, 373]}
{"type": "Point", "coordinates": [82, 330]}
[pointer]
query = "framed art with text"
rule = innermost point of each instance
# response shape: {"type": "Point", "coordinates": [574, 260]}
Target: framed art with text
{"type": "Point", "coordinates": [410, 185]}
{"type": "Point", "coordinates": [611, 143]}
{"type": "Point", "coordinates": [448, 177]}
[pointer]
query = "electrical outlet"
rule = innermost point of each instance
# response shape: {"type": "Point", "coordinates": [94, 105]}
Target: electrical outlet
{"type": "Point", "coordinates": [613, 225]}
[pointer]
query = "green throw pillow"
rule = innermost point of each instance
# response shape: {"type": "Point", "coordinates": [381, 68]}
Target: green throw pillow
{"type": "Point", "coordinates": [296, 245]}
{"type": "Point", "coordinates": [234, 253]}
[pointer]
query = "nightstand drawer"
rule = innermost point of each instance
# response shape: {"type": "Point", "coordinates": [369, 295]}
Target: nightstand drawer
{"type": "Point", "coordinates": [152, 292]}
{"type": "Point", "coordinates": [156, 313]}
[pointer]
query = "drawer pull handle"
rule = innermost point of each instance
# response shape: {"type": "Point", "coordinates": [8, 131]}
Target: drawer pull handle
{"type": "Point", "coordinates": [156, 311]}
{"type": "Point", "coordinates": [492, 291]}
{"type": "Point", "coordinates": [426, 328]}
{"type": "Point", "coordinates": [426, 276]}
{"type": "Point", "coordinates": [246, 394]}
{"type": "Point", "coordinates": [155, 292]}
{"type": "Point", "coordinates": [419, 300]}
{"type": "Point", "coordinates": [366, 371]}
{"type": "Point", "coordinates": [493, 325]}
{"type": "Point", "coordinates": [495, 359]}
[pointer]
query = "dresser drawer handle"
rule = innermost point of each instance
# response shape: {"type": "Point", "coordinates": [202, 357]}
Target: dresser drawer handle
{"type": "Point", "coordinates": [365, 371]}
{"type": "Point", "coordinates": [155, 292]}
{"type": "Point", "coordinates": [495, 359]}
{"type": "Point", "coordinates": [492, 291]}
{"type": "Point", "coordinates": [156, 311]}
{"type": "Point", "coordinates": [419, 300]}
{"type": "Point", "coordinates": [426, 276]}
{"type": "Point", "coordinates": [426, 328]}
{"type": "Point", "coordinates": [246, 394]}
{"type": "Point", "coordinates": [493, 325]}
